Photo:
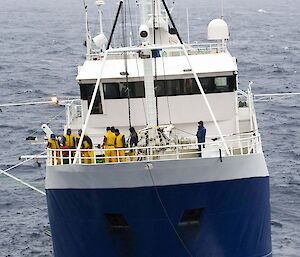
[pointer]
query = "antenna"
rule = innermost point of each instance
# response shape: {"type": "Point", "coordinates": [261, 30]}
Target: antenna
{"type": "Point", "coordinates": [100, 3]}
{"type": "Point", "coordinates": [88, 37]}
{"type": "Point", "coordinates": [222, 9]}
{"type": "Point", "coordinates": [188, 24]}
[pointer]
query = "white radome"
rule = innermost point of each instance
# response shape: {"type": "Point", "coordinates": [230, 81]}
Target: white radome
{"type": "Point", "coordinates": [217, 30]}
{"type": "Point", "coordinates": [100, 40]}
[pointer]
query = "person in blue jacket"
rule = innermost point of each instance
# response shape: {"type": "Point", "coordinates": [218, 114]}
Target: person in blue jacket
{"type": "Point", "coordinates": [201, 133]}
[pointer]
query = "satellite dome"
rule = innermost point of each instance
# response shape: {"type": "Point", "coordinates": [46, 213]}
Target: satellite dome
{"type": "Point", "coordinates": [217, 30]}
{"type": "Point", "coordinates": [100, 40]}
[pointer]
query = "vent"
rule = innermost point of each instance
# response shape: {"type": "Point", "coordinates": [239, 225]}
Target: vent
{"type": "Point", "coordinates": [191, 216]}
{"type": "Point", "coordinates": [116, 220]}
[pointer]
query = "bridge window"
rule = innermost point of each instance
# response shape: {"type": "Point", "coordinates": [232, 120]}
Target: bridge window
{"type": "Point", "coordinates": [121, 90]}
{"type": "Point", "coordinates": [173, 87]}
{"type": "Point", "coordinates": [189, 86]}
{"type": "Point", "coordinates": [86, 92]}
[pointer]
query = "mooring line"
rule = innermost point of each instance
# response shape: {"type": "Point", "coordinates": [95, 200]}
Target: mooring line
{"type": "Point", "coordinates": [5, 172]}
{"type": "Point", "coordinates": [188, 251]}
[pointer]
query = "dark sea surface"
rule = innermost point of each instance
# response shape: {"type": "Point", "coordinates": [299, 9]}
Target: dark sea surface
{"type": "Point", "coordinates": [40, 48]}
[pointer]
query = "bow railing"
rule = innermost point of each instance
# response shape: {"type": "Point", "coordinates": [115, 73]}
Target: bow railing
{"type": "Point", "coordinates": [238, 146]}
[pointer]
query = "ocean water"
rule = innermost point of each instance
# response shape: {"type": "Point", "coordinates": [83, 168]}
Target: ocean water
{"type": "Point", "coordinates": [40, 48]}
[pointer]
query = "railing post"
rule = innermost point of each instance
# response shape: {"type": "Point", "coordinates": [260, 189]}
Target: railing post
{"type": "Point", "coordinates": [148, 152]}
{"type": "Point", "coordinates": [118, 155]}
{"type": "Point", "coordinates": [70, 155]}
{"type": "Point", "coordinates": [48, 157]}
{"type": "Point", "coordinates": [61, 156]}
{"type": "Point", "coordinates": [177, 152]}
{"type": "Point", "coordinates": [249, 146]}
{"type": "Point", "coordinates": [220, 155]}
{"type": "Point", "coordinates": [241, 148]}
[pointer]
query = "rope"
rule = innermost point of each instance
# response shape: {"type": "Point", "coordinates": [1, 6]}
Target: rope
{"type": "Point", "coordinates": [124, 32]}
{"type": "Point", "coordinates": [167, 215]}
{"type": "Point", "coordinates": [164, 72]}
{"type": "Point", "coordinates": [5, 172]}
{"type": "Point", "coordinates": [49, 121]}
{"type": "Point", "coordinates": [131, 23]}
{"type": "Point", "coordinates": [185, 132]}
{"type": "Point", "coordinates": [155, 64]}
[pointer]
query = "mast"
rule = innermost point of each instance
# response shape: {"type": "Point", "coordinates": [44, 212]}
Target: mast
{"type": "Point", "coordinates": [88, 36]}
{"type": "Point", "coordinates": [100, 40]}
{"type": "Point", "coordinates": [152, 31]}
{"type": "Point", "coordinates": [153, 23]}
{"type": "Point", "coordinates": [100, 3]}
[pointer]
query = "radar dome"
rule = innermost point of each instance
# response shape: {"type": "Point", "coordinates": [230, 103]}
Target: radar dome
{"type": "Point", "coordinates": [100, 40]}
{"type": "Point", "coordinates": [217, 30]}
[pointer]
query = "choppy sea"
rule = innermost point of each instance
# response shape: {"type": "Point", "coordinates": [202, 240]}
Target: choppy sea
{"type": "Point", "coordinates": [41, 44]}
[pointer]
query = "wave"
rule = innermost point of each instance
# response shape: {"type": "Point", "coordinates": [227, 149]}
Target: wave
{"type": "Point", "coordinates": [262, 11]}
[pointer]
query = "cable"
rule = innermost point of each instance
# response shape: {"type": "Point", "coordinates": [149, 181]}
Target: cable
{"type": "Point", "coordinates": [184, 131]}
{"type": "Point", "coordinates": [131, 23]}
{"type": "Point", "coordinates": [5, 172]}
{"type": "Point", "coordinates": [167, 215]}
{"type": "Point", "coordinates": [165, 83]}
{"type": "Point", "coordinates": [114, 25]}
{"type": "Point", "coordinates": [49, 121]}
{"type": "Point", "coordinates": [171, 19]}
{"type": "Point", "coordinates": [124, 32]}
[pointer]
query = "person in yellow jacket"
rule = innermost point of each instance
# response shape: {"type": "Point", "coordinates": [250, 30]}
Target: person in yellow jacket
{"type": "Point", "coordinates": [53, 143]}
{"type": "Point", "coordinates": [69, 139]}
{"type": "Point", "coordinates": [88, 144]}
{"type": "Point", "coordinates": [68, 142]}
{"type": "Point", "coordinates": [109, 142]}
{"type": "Point", "coordinates": [120, 143]}
{"type": "Point", "coordinates": [88, 156]}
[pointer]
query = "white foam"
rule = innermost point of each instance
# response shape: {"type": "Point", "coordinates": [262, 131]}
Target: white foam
{"type": "Point", "coordinates": [262, 11]}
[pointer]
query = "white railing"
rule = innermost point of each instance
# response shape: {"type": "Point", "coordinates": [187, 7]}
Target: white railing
{"type": "Point", "coordinates": [192, 49]}
{"type": "Point", "coordinates": [73, 111]}
{"type": "Point", "coordinates": [241, 146]}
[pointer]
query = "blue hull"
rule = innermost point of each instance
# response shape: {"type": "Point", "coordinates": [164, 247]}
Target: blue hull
{"type": "Point", "coordinates": [234, 220]}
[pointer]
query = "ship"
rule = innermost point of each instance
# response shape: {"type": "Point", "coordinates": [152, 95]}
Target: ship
{"type": "Point", "coordinates": [170, 195]}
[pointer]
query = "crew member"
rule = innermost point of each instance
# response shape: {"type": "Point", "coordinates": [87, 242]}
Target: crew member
{"type": "Point", "coordinates": [53, 143]}
{"type": "Point", "coordinates": [133, 141]}
{"type": "Point", "coordinates": [69, 139]}
{"type": "Point", "coordinates": [89, 156]}
{"type": "Point", "coordinates": [68, 142]}
{"type": "Point", "coordinates": [78, 136]}
{"type": "Point", "coordinates": [120, 143]}
{"type": "Point", "coordinates": [201, 133]}
{"type": "Point", "coordinates": [109, 142]}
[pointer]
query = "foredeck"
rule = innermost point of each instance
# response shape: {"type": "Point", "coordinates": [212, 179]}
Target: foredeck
{"type": "Point", "coordinates": [245, 144]}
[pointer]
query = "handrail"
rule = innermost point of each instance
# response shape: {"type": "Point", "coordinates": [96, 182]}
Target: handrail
{"type": "Point", "coordinates": [193, 49]}
{"type": "Point", "coordinates": [242, 146]}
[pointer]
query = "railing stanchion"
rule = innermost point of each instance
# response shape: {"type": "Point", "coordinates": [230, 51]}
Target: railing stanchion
{"type": "Point", "coordinates": [241, 148]}
{"type": "Point", "coordinates": [249, 147]}
{"type": "Point", "coordinates": [220, 155]}
{"type": "Point", "coordinates": [61, 157]}
{"type": "Point", "coordinates": [148, 152]}
{"type": "Point", "coordinates": [177, 152]}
